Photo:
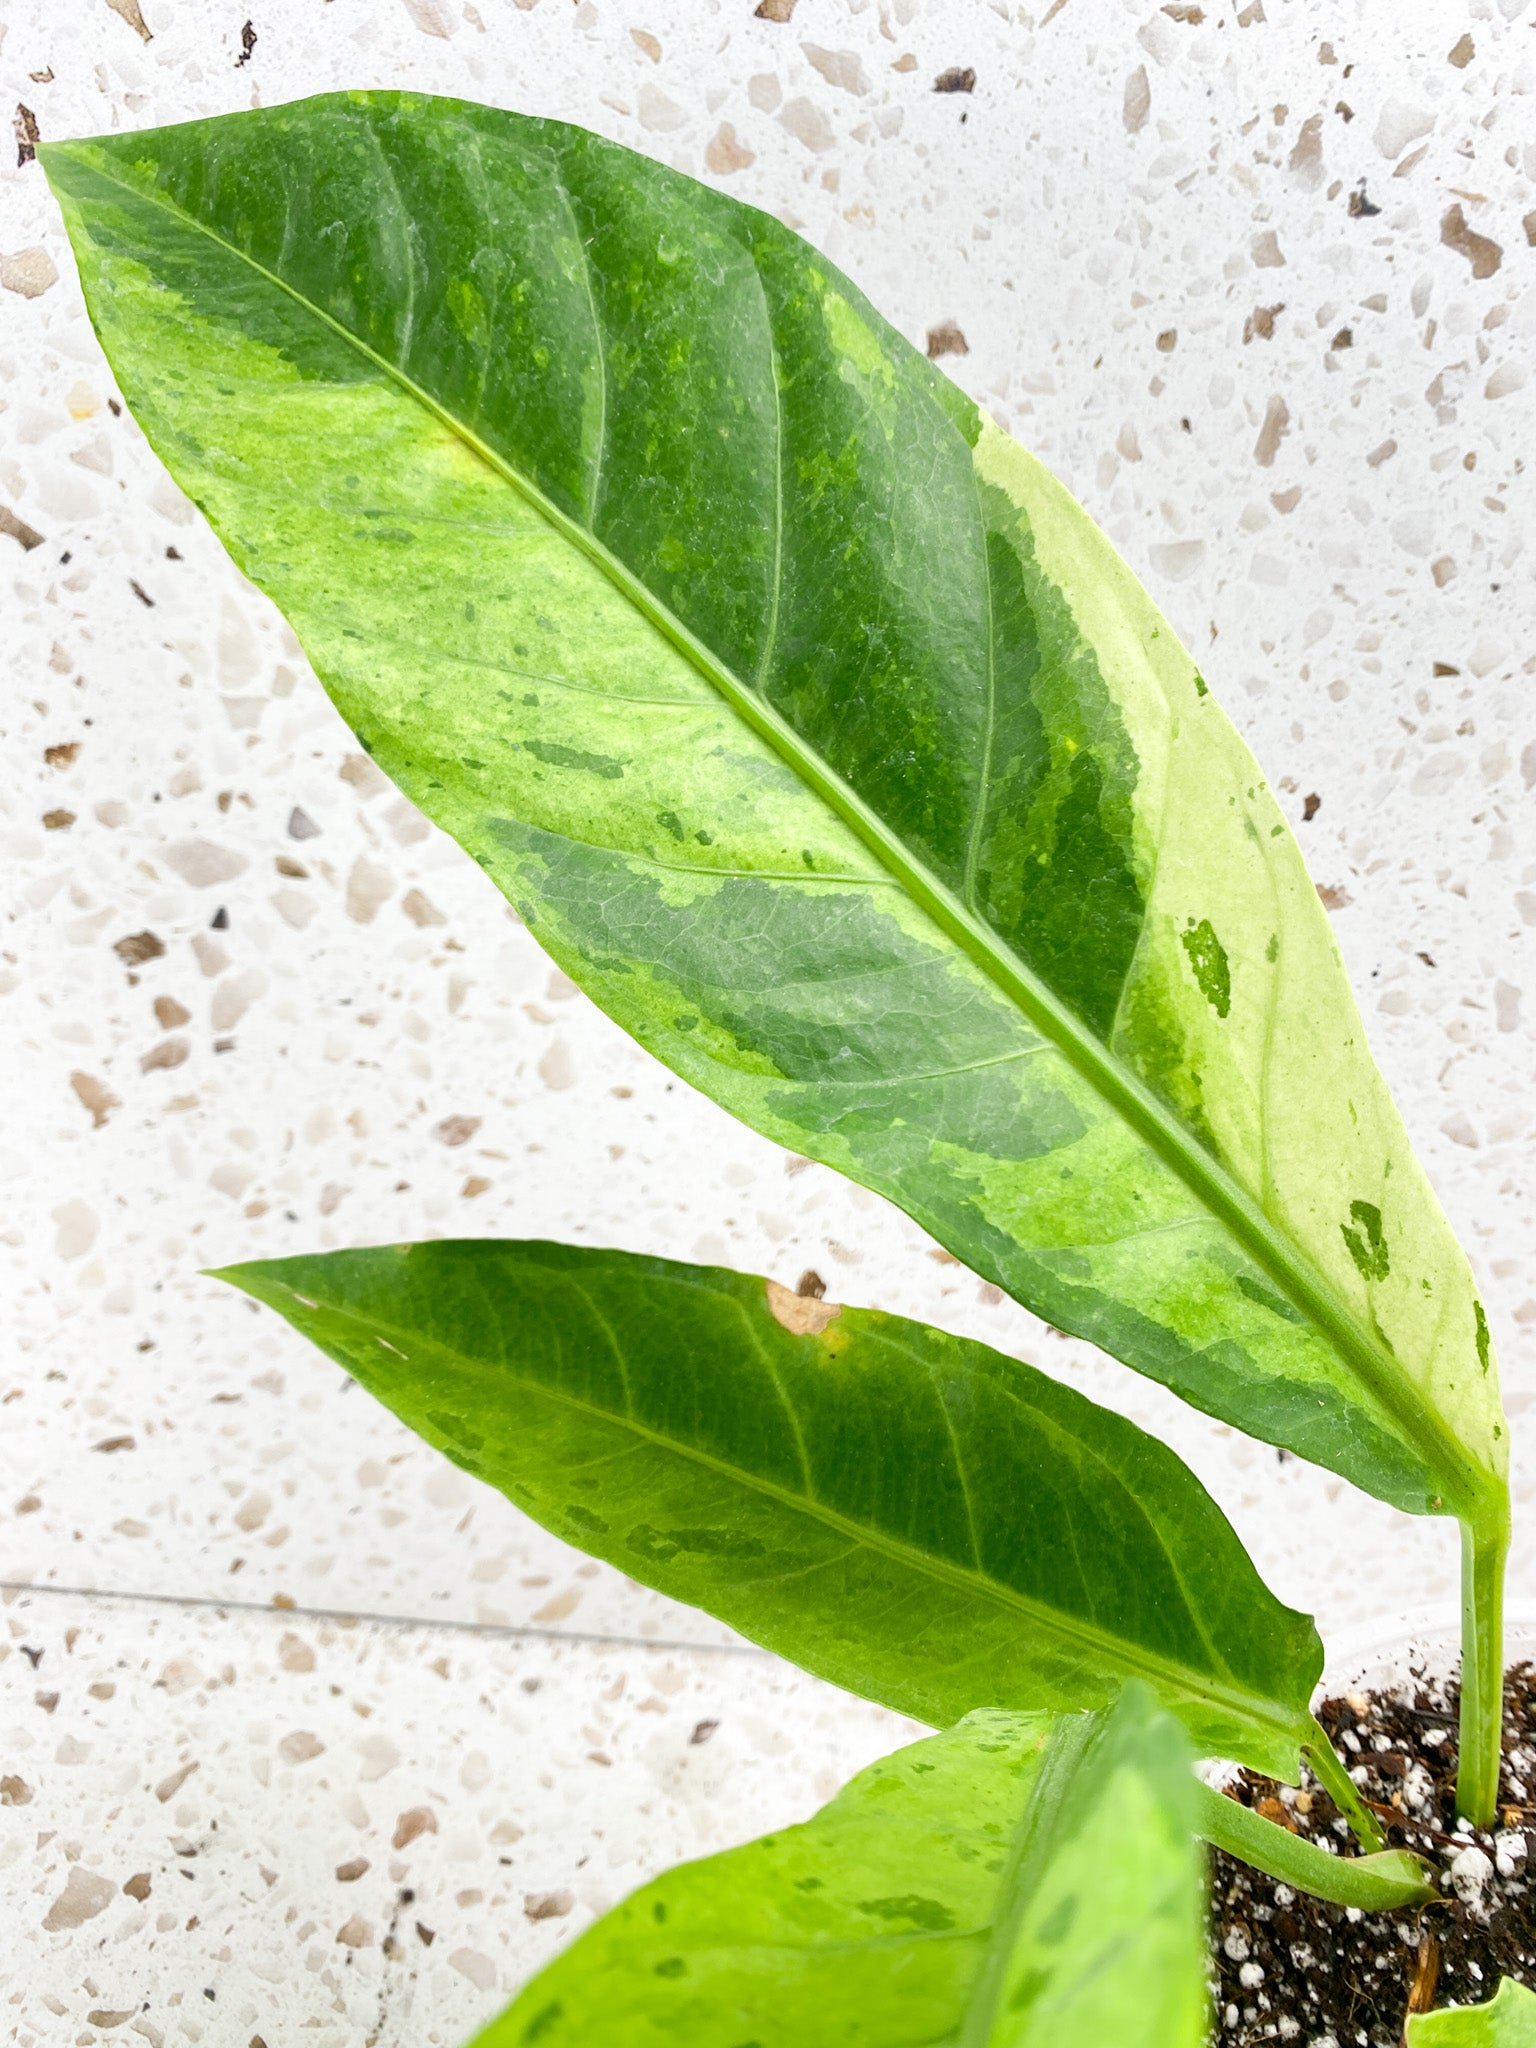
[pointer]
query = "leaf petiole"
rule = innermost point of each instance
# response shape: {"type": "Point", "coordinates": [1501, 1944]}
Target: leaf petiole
{"type": "Point", "coordinates": [1379, 1883]}
{"type": "Point", "coordinates": [1484, 1550]}
{"type": "Point", "coordinates": [1329, 1769]}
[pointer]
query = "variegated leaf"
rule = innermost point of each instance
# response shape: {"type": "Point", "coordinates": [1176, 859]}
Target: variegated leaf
{"type": "Point", "coordinates": [810, 724]}
{"type": "Point", "coordinates": [1012, 1884]}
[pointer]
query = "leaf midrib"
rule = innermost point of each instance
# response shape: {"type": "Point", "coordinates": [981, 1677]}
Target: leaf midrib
{"type": "Point", "coordinates": [1198, 1687]}
{"type": "Point", "coordinates": [1067, 1750]}
{"type": "Point", "coordinates": [1288, 1266]}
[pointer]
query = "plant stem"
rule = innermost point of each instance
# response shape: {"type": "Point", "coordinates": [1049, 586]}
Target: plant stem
{"type": "Point", "coordinates": [1329, 1769]}
{"type": "Point", "coordinates": [1484, 1548]}
{"type": "Point", "coordinates": [1375, 1884]}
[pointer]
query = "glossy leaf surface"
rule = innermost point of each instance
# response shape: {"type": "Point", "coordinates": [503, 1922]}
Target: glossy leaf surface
{"type": "Point", "coordinates": [1507, 2021]}
{"type": "Point", "coordinates": [906, 1513]}
{"type": "Point", "coordinates": [809, 723]}
{"type": "Point", "coordinates": [1000, 1886]}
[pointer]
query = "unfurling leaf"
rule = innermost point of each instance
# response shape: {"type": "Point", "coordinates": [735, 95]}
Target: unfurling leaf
{"type": "Point", "coordinates": [809, 723]}
{"type": "Point", "coordinates": [1012, 1884]}
{"type": "Point", "coordinates": [906, 1513]}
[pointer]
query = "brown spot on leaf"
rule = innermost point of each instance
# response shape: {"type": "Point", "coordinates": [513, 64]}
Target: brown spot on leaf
{"type": "Point", "coordinates": [801, 1314]}
{"type": "Point", "coordinates": [95, 1096]}
{"type": "Point", "coordinates": [946, 340]}
{"type": "Point", "coordinates": [1483, 255]}
{"type": "Point", "coordinates": [958, 78]}
{"type": "Point", "coordinates": [416, 1820]}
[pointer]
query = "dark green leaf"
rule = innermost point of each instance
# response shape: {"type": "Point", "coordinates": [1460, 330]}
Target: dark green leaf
{"type": "Point", "coordinates": [906, 1513]}
{"type": "Point", "coordinates": [813, 728]}
{"type": "Point", "coordinates": [989, 1888]}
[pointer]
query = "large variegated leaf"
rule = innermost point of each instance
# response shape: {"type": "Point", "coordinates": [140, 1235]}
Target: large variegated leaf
{"type": "Point", "coordinates": [811, 725]}
{"type": "Point", "coordinates": [904, 1512]}
{"type": "Point", "coordinates": [1007, 1885]}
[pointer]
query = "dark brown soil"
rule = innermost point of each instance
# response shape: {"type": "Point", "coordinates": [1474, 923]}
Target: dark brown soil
{"type": "Point", "coordinates": [1291, 1968]}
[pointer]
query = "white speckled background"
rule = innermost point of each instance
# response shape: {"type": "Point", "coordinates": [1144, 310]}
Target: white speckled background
{"type": "Point", "coordinates": [1255, 279]}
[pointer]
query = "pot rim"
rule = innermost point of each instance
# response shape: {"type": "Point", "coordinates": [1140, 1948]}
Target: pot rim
{"type": "Point", "coordinates": [1377, 1652]}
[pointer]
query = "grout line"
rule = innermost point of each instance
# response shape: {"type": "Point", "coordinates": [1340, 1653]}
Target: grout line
{"type": "Point", "coordinates": [349, 1617]}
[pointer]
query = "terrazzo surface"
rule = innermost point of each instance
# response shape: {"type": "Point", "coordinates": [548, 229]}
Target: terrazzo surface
{"type": "Point", "coordinates": [1256, 281]}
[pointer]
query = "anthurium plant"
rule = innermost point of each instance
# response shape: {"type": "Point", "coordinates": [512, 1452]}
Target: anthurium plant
{"type": "Point", "coordinates": [819, 735]}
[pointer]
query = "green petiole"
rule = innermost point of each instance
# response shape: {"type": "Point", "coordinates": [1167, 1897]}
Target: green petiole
{"type": "Point", "coordinates": [1329, 1769]}
{"type": "Point", "coordinates": [1380, 1883]}
{"type": "Point", "coordinates": [1484, 1549]}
